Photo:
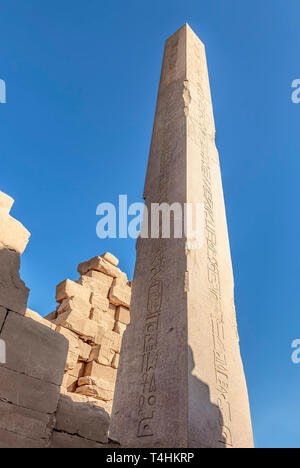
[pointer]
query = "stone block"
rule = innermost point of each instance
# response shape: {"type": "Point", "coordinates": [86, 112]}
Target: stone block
{"type": "Point", "coordinates": [26, 422]}
{"type": "Point", "coordinates": [31, 393]}
{"type": "Point", "coordinates": [123, 315]}
{"type": "Point", "coordinates": [13, 235]}
{"type": "Point", "coordinates": [110, 258]}
{"type": "Point", "coordinates": [120, 293]}
{"type": "Point", "coordinates": [113, 341]}
{"type": "Point", "coordinates": [99, 264]}
{"type": "Point", "coordinates": [68, 289]}
{"type": "Point", "coordinates": [34, 349]}
{"type": "Point", "coordinates": [99, 302]}
{"type": "Point", "coordinates": [77, 304]}
{"type": "Point", "coordinates": [94, 285]}
{"type": "Point", "coordinates": [120, 328]}
{"type": "Point", "coordinates": [98, 371]}
{"type": "Point", "coordinates": [82, 419]}
{"type": "Point", "coordinates": [102, 354]}
{"type": "Point", "coordinates": [89, 330]}
{"type": "Point", "coordinates": [103, 319]}
{"type": "Point", "coordinates": [38, 318]}
{"type": "Point", "coordinates": [115, 361]}
{"type": "Point", "coordinates": [13, 440]}
{"type": "Point", "coordinates": [78, 370]}
{"type": "Point", "coordinates": [69, 382]}
{"type": "Point", "coordinates": [84, 351]}
{"type": "Point", "coordinates": [13, 292]}
{"type": "Point", "coordinates": [95, 392]}
{"type": "Point", "coordinates": [102, 278]}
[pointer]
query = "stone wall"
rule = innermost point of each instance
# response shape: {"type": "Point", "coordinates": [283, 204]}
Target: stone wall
{"type": "Point", "coordinates": [58, 373]}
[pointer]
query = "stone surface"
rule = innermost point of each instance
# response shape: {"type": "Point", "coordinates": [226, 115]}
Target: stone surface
{"type": "Point", "coordinates": [102, 354]}
{"type": "Point", "coordinates": [13, 235]}
{"type": "Point", "coordinates": [61, 440]}
{"type": "Point", "coordinates": [38, 318]}
{"type": "Point", "coordinates": [68, 289]}
{"type": "Point", "coordinates": [6, 202]}
{"type": "Point", "coordinates": [22, 390]}
{"type": "Point", "coordinates": [99, 264]}
{"type": "Point", "coordinates": [3, 313]}
{"type": "Point", "coordinates": [94, 285]}
{"type": "Point", "coordinates": [99, 302]}
{"type": "Point", "coordinates": [123, 315]}
{"type": "Point", "coordinates": [82, 419]}
{"type": "Point", "coordinates": [33, 349]}
{"type": "Point", "coordinates": [120, 293]}
{"type": "Point", "coordinates": [87, 329]}
{"type": "Point", "coordinates": [77, 304]}
{"type": "Point", "coordinates": [98, 371]}
{"type": "Point", "coordinates": [24, 422]}
{"type": "Point", "coordinates": [12, 440]}
{"type": "Point", "coordinates": [110, 258]}
{"type": "Point", "coordinates": [181, 381]}
{"type": "Point", "coordinates": [13, 292]}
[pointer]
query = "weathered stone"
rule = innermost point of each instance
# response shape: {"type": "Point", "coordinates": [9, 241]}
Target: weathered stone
{"type": "Point", "coordinates": [84, 351]}
{"type": "Point", "coordinates": [52, 316]}
{"type": "Point", "coordinates": [94, 285]}
{"type": "Point", "coordinates": [13, 234]}
{"type": "Point", "coordinates": [61, 440]}
{"type": "Point", "coordinates": [99, 264]}
{"type": "Point", "coordinates": [77, 304]}
{"type": "Point", "coordinates": [13, 440]}
{"type": "Point", "coordinates": [82, 419]}
{"type": "Point", "coordinates": [93, 369]}
{"type": "Point", "coordinates": [103, 319]}
{"type": "Point", "coordinates": [120, 328]}
{"type": "Point", "coordinates": [110, 258]}
{"type": "Point", "coordinates": [120, 293]}
{"type": "Point", "coordinates": [78, 371]}
{"type": "Point", "coordinates": [69, 382]}
{"type": "Point", "coordinates": [72, 359]}
{"type": "Point", "coordinates": [123, 315]}
{"type": "Point", "coordinates": [99, 302]}
{"type": "Point", "coordinates": [105, 388]}
{"type": "Point", "coordinates": [89, 330]}
{"type": "Point", "coordinates": [72, 337]}
{"type": "Point", "coordinates": [13, 292]}
{"type": "Point", "coordinates": [68, 289]}
{"type": "Point", "coordinates": [102, 354]}
{"type": "Point", "coordinates": [38, 318]}
{"type": "Point", "coordinates": [33, 349]}
{"type": "Point", "coordinates": [31, 393]}
{"type": "Point", "coordinates": [112, 311]}
{"type": "Point", "coordinates": [115, 361]}
{"type": "Point", "coordinates": [113, 341]}
{"type": "Point", "coordinates": [26, 422]}
{"type": "Point", "coordinates": [95, 392]}
{"type": "Point", "coordinates": [181, 381]}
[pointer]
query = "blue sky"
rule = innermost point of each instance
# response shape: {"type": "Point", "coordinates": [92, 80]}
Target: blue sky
{"type": "Point", "coordinates": [82, 80]}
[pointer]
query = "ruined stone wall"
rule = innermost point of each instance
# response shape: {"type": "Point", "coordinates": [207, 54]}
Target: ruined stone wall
{"type": "Point", "coordinates": [57, 374]}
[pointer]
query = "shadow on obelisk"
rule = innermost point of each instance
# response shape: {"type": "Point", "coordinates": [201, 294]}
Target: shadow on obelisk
{"type": "Point", "coordinates": [205, 418]}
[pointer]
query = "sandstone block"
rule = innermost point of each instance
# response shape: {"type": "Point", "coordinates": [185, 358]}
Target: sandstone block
{"type": "Point", "coordinates": [115, 361]}
{"type": "Point", "coordinates": [72, 359]}
{"type": "Point", "coordinates": [95, 392]}
{"type": "Point", "coordinates": [52, 316]}
{"type": "Point", "coordinates": [26, 422]}
{"type": "Point", "coordinates": [69, 383]}
{"type": "Point", "coordinates": [22, 390]}
{"type": "Point", "coordinates": [123, 315]}
{"type": "Point", "coordinates": [120, 328]}
{"type": "Point", "coordinates": [102, 278]}
{"type": "Point", "coordinates": [77, 304]}
{"type": "Point", "coordinates": [84, 351]}
{"type": "Point", "coordinates": [72, 337]}
{"type": "Point", "coordinates": [68, 289]}
{"type": "Point", "coordinates": [13, 234]}
{"type": "Point", "coordinates": [38, 318]}
{"type": "Point", "coordinates": [120, 293]}
{"type": "Point", "coordinates": [113, 341]}
{"type": "Point", "coordinates": [110, 258]}
{"type": "Point", "coordinates": [82, 419]}
{"type": "Point", "coordinates": [102, 354]}
{"type": "Point", "coordinates": [112, 311]}
{"type": "Point", "coordinates": [95, 370]}
{"type": "Point", "coordinates": [94, 285]}
{"type": "Point", "coordinates": [34, 349]}
{"type": "Point", "coordinates": [106, 405]}
{"type": "Point", "coordinates": [103, 319]}
{"type": "Point", "coordinates": [89, 330]}
{"type": "Point", "coordinates": [99, 264]}
{"type": "Point", "coordinates": [99, 302]}
{"type": "Point", "coordinates": [13, 292]}
{"type": "Point", "coordinates": [78, 370]}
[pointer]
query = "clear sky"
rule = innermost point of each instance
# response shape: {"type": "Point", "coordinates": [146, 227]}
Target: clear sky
{"type": "Point", "coordinates": [82, 80]}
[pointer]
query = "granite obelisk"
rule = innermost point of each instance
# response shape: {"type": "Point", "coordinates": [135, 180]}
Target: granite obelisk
{"type": "Point", "coordinates": [181, 381]}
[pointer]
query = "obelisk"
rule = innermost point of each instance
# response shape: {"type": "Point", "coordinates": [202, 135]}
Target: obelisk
{"type": "Point", "coordinates": [181, 382]}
